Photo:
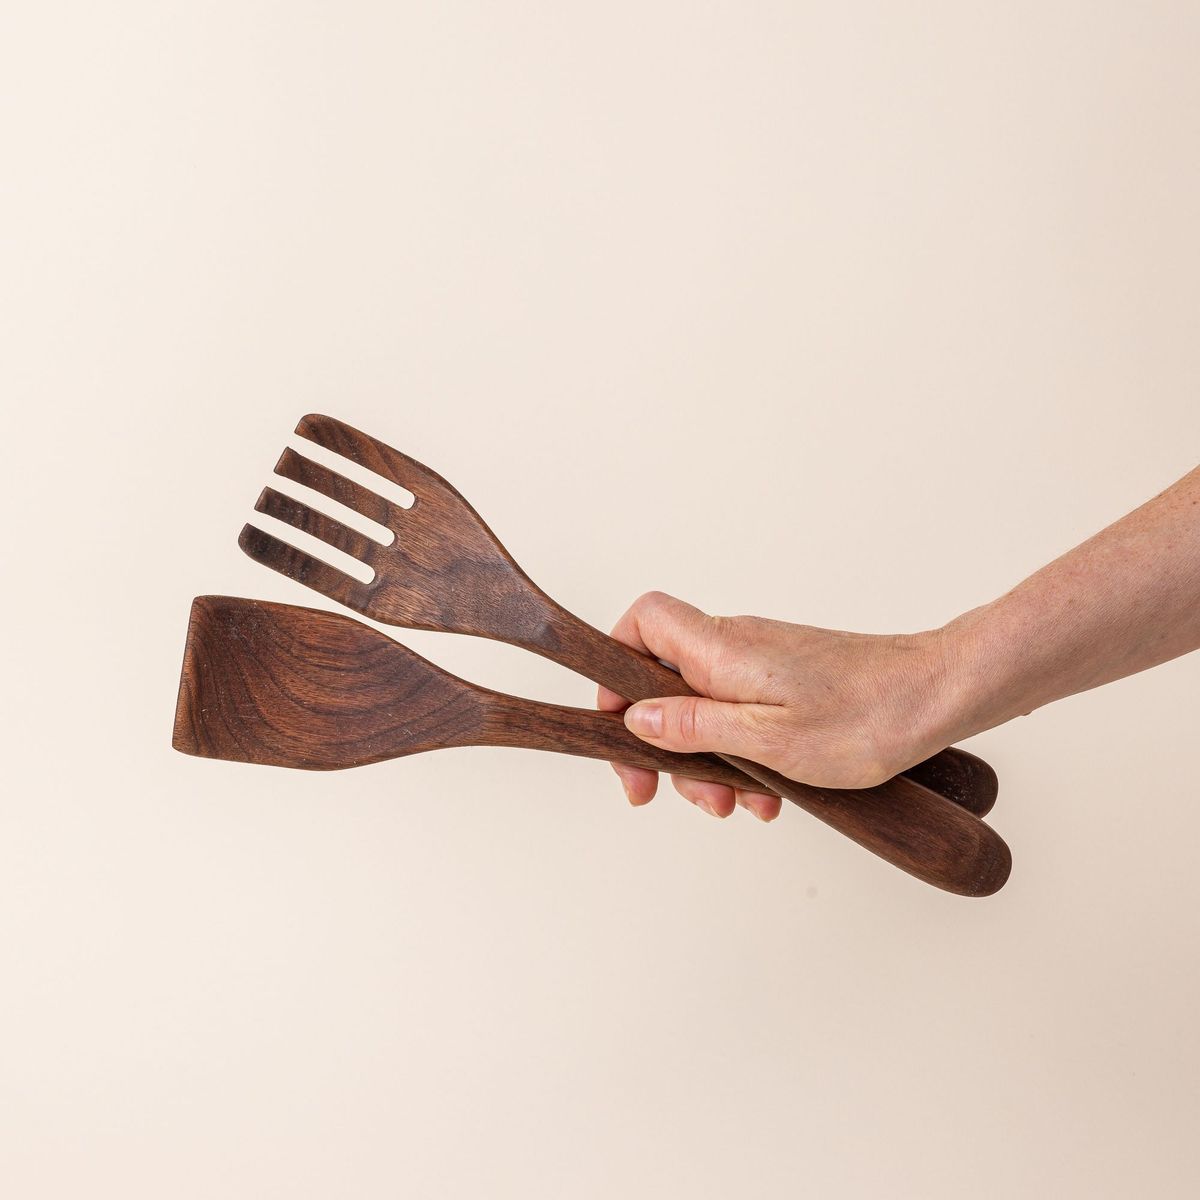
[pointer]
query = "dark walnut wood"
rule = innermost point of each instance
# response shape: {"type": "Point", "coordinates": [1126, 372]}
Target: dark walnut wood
{"type": "Point", "coordinates": [296, 687]}
{"type": "Point", "coordinates": [447, 571]}
{"type": "Point", "coordinates": [961, 777]}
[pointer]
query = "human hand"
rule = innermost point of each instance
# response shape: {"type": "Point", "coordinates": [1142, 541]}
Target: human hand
{"type": "Point", "coordinates": [833, 709]}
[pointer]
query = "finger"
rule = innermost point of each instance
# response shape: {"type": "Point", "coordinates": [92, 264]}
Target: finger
{"type": "Point", "coordinates": [669, 629]}
{"type": "Point", "coordinates": [609, 701]}
{"type": "Point", "coordinates": [762, 804]}
{"type": "Point", "coordinates": [694, 724]}
{"type": "Point", "coordinates": [639, 784]}
{"type": "Point", "coordinates": [716, 799]}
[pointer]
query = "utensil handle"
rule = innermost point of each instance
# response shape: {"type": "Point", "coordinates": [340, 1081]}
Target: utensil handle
{"type": "Point", "coordinates": [906, 824]}
{"type": "Point", "coordinates": [958, 775]}
{"type": "Point", "coordinates": [534, 725]}
{"type": "Point", "coordinates": [901, 821]}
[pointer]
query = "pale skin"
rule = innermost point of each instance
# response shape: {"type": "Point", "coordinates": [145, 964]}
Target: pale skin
{"type": "Point", "coordinates": [840, 709]}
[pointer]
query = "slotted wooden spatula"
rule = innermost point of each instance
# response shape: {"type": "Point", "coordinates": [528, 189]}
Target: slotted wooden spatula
{"type": "Point", "coordinates": [297, 687]}
{"type": "Point", "coordinates": [446, 570]}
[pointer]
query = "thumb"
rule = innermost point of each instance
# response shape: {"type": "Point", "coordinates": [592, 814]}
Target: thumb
{"type": "Point", "coordinates": [692, 724]}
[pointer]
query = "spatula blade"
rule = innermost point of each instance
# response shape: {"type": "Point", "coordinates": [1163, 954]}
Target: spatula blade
{"type": "Point", "coordinates": [293, 687]}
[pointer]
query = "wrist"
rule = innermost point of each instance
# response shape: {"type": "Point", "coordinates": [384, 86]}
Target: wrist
{"type": "Point", "coordinates": [933, 691]}
{"type": "Point", "coordinates": [976, 691]}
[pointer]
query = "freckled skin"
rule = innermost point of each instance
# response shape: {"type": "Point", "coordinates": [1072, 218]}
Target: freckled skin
{"type": "Point", "coordinates": [840, 709]}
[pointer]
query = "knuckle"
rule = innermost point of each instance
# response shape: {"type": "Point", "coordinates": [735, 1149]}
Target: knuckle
{"type": "Point", "coordinates": [731, 642]}
{"type": "Point", "coordinates": [726, 631]}
{"type": "Point", "coordinates": [689, 723]}
{"type": "Point", "coordinates": [650, 602]}
{"type": "Point", "coordinates": [738, 631]}
{"type": "Point", "coordinates": [650, 613]}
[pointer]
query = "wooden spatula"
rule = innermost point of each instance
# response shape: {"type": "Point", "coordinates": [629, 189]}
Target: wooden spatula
{"type": "Point", "coordinates": [296, 687]}
{"type": "Point", "coordinates": [446, 570]}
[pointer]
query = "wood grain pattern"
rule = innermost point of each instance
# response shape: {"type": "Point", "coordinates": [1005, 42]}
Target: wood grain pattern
{"type": "Point", "coordinates": [296, 687]}
{"type": "Point", "coordinates": [447, 571]}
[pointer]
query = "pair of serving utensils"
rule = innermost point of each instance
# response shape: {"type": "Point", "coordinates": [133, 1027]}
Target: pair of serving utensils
{"type": "Point", "coordinates": [295, 687]}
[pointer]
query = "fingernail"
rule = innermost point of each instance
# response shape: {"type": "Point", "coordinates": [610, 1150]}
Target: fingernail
{"type": "Point", "coordinates": [645, 719]}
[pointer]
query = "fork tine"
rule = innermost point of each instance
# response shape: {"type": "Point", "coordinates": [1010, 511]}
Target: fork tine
{"type": "Point", "coordinates": [369, 452]}
{"type": "Point", "coordinates": [337, 487]}
{"type": "Point", "coordinates": [326, 529]}
{"type": "Point", "coordinates": [303, 568]}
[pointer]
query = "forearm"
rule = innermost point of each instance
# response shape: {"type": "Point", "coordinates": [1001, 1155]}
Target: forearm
{"type": "Point", "coordinates": [846, 710]}
{"type": "Point", "coordinates": [1125, 600]}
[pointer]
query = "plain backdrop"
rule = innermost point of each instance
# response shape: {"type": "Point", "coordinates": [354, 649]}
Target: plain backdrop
{"type": "Point", "coordinates": [851, 314]}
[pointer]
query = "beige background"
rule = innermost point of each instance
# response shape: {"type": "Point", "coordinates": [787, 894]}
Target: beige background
{"type": "Point", "coordinates": [851, 314]}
